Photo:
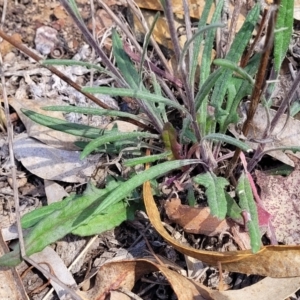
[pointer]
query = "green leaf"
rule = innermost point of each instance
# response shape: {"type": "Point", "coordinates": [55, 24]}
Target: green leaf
{"type": "Point", "coordinates": [33, 217]}
{"type": "Point", "coordinates": [112, 217]}
{"type": "Point", "coordinates": [206, 88]}
{"type": "Point", "coordinates": [83, 131]}
{"type": "Point", "coordinates": [123, 62]}
{"type": "Point", "coordinates": [233, 210]}
{"type": "Point", "coordinates": [248, 205]}
{"type": "Point", "coordinates": [134, 94]}
{"type": "Point", "coordinates": [145, 159]}
{"type": "Point", "coordinates": [197, 43]}
{"type": "Point", "coordinates": [225, 63]}
{"type": "Point", "coordinates": [243, 88]}
{"type": "Point", "coordinates": [236, 50]}
{"type": "Point", "coordinates": [195, 36]}
{"type": "Point", "coordinates": [95, 112]}
{"type": "Point", "coordinates": [169, 136]}
{"type": "Point", "coordinates": [214, 192]}
{"type": "Point", "coordinates": [283, 31]}
{"type": "Point", "coordinates": [145, 46]}
{"type": "Point", "coordinates": [227, 139]}
{"type": "Point", "coordinates": [57, 224]}
{"type": "Point", "coordinates": [114, 136]}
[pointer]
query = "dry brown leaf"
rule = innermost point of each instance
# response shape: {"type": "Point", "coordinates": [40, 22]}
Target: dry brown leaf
{"type": "Point", "coordinates": [6, 47]}
{"type": "Point", "coordinates": [273, 261]}
{"type": "Point", "coordinates": [197, 220]}
{"type": "Point", "coordinates": [281, 198]}
{"type": "Point", "coordinates": [114, 275]}
{"type": "Point", "coordinates": [267, 289]}
{"type": "Point", "coordinates": [289, 137]}
{"type": "Point", "coordinates": [51, 163]}
{"type": "Point", "coordinates": [195, 7]}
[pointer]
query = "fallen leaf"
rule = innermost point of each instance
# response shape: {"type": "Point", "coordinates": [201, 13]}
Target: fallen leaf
{"type": "Point", "coordinates": [289, 137]}
{"type": "Point", "coordinates": [197, 220]}
{"type": "Point", "coordinates": [6, 47]}
{"type": "Point", "coordinates": [52, 163]}
{"type": "Point", "coordinates": [195, 7]}
{"type": "Point", "coordinates": [281, 198]}
{"type": "Point", "coordinates": [54, 191]}
{"type": "Point", "coordinates": [114, 275]}
{"type": "Point", "coordinates": [267, 289]}
{"type": "Point", "coordinates": [48, 257]}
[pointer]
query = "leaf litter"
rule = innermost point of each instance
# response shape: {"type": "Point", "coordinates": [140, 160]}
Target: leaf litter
{"type": "Point", "coordinates": [280, 197]}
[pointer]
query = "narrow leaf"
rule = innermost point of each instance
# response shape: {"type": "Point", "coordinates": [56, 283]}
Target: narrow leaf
{"type": "Point", "coordinates": [283, 31]}
{"type": "Point", "coordinates": [248, 205]}
{"type": "Point", "coordinates": [95, 112]}
{"type": "Point", "coordinates": [229, 140]}
{"type": "Point", "coordinates": [225, 63]}
{"type": "Point", "coordinates": [112, 137]}
{"type": "Point", "coordinates": [83, 131]}
{"type": "Point", "coordinates": [145, 159]}
{"type": "Point", "coordinates": [169, 136]}
{"type": "Point", "coordinates": [135, 94]}
{"type": "Point", "coordinates": [123, 62]}
{"type": "Point", "coordinates": [214, 192]}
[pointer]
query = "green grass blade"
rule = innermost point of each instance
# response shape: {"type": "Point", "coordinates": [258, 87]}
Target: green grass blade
{"type": "Point", "coordinates": [197, 34]}
{"type": "Point", "coordinates": [197, 43]}
{"type": "Point", "coordinates": [112, 137]}
{"type": "Point", "coordinates": [124, 63]}
{"type": "Point", "coordinates": [214, 192]}
{"type": "Point", "coordinates": [233, 210]}
{"type": "Point", "coordinates": [248, 205]}
{"type": "Point", "coordinates": [228, 139]}
{"type": "Point", "coordinates": [146, 159]}
{"type": "Point", "coordinates": [283, 31]}
{"type": "Point", "coordinates": [208, 45]}
{"type": "Point", "coordinates": [145, 46]}
{"type": "Point", "coordinates": [95, 112]}
{"type": "Point", "coordinates": [135, 94]}
{"type": "Point", "coordinates": [83, 131]}
{"type": "Point", "coordinates": [236, 50]}
{"type": "Point", "coordinates": [206, 88]}
{"type": "Point", "coordinates": [243, 88]}
{"type": "Point", "coordinates": [225, 63]}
